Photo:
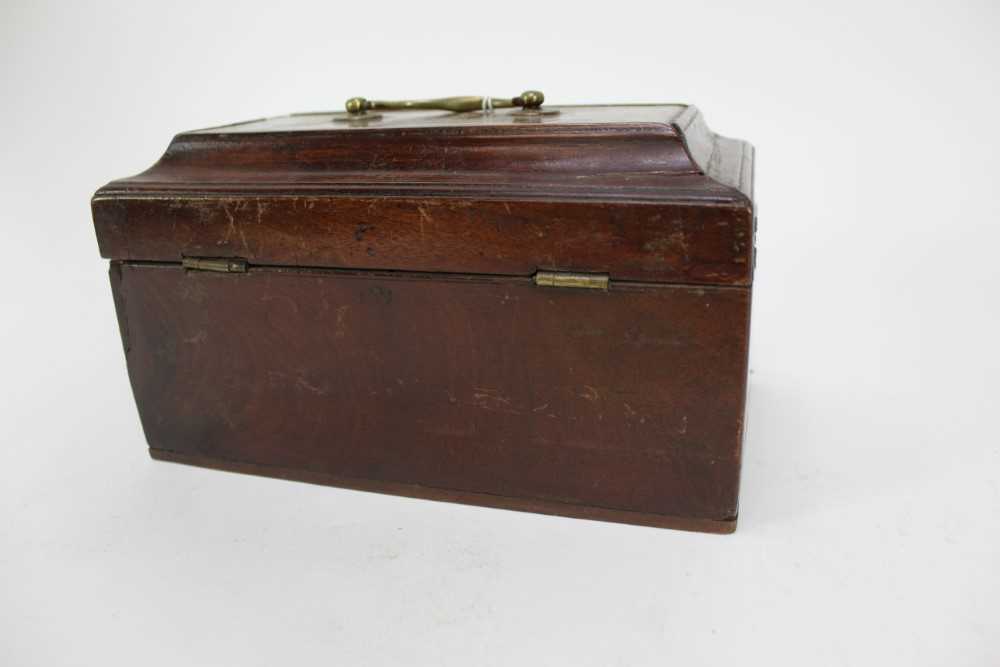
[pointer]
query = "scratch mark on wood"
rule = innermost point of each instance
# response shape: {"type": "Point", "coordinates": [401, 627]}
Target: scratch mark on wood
{"type": "Point", "coordinates": [231, 228]}
{"type": "Point", "coordinates": [199, 337]}
{"type": "Point", "coordinates": [308, 386]}
{"type": "Point", "coordinates": [234, 227]}
{"type": "Point", "coordinates": [492, 400]}
{"type": "Point", "coordinates": [340, 329]}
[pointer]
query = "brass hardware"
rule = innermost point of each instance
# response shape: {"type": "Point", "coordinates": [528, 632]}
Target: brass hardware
{"type": "Point", "coordinates": [529, 100]}
{"type": "Point", "coordinates": [221, 265]}
{"type": "Point", "coordinates": [560, 279]}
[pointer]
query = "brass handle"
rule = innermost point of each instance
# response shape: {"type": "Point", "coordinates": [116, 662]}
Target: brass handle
{"type": "Point", "coordinates": [529, 99]}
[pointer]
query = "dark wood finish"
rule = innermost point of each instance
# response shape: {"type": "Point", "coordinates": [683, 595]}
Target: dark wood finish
{"type": "Point", "coordinates": [629, 399]}
{"type": "Point", "coordinates": [388, 336]}
{"type": "Point", "coordinates": [446, 194]}
{"type": "Point", "coordinates": [662, 243]}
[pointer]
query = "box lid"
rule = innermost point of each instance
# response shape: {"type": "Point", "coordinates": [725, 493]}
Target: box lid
{"type": "Point", "coordinates": [638, 192]}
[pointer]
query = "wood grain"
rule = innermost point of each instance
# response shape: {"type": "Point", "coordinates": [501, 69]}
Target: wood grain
{"type": "Point", "coordinates": [388, 336]}
{"type": "Point", "coordinates": [636, 198]}
{"type": "Point", "coordinates": [664, 243]}
{"type": "Point", "coordinates": [628, 400]}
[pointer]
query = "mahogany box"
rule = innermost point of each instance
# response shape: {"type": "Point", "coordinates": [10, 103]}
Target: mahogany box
{"type": "Point", "coordinates": [526, 307]}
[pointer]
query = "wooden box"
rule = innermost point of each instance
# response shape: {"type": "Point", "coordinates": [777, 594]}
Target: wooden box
{"type": "Point", "coordinates": [541, 309]}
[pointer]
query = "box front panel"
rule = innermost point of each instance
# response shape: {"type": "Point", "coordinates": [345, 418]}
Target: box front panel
{"type": "Point", "coordinates": [627, 399]}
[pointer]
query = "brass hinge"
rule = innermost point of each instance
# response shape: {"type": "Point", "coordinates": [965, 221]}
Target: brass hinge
{"type": "Point", "coordinates": [221, 264]}
{"type": "Point", "coordinates": [561, 279]}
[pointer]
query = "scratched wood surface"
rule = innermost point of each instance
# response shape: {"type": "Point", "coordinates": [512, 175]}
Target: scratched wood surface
{"type": "Point", "coordinates": [643, 193]}
{"type": "Point", "coordinates": [388, 335]}
{"type": "Point", "coordinates": [662, 243]}
{"type": "Point", "coordinates": [629, 400]}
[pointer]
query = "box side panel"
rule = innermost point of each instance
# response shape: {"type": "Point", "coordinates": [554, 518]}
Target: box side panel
{"type": "Point", "coordinates": [629, 400]}
{"type": "Point", "coordinates": [678, 243]}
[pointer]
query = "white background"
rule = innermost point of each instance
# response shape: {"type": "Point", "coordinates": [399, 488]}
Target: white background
{"type": "Point", "coordinates": [870, 504]}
